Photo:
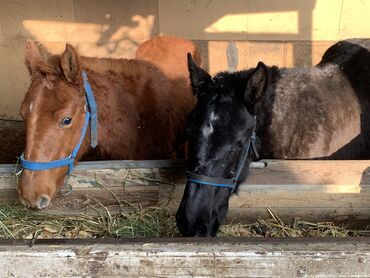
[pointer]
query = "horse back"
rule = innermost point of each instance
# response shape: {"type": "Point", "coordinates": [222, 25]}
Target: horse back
{"type": "Point", "coordinates": [317, 114]}
{"type": "Point", "coordinates": [169, 54]}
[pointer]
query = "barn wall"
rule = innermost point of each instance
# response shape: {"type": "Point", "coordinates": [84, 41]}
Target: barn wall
{"type": "Point", "coordinates": [281, 32]}
{"type": "Point", "coordinates": [97, 28]}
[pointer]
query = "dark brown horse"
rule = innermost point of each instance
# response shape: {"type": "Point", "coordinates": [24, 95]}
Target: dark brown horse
{"type": "Point", "coordinates": [141, 113]}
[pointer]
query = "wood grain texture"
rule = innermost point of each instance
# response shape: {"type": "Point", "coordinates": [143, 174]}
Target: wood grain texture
{"type": "Point", "coordinates": [188, 258]}
{"type": "Point", "coordinates": [312, 190]}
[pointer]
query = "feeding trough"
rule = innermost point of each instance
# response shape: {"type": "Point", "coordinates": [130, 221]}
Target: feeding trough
{"type": "Point", "coordinates": [312, 190]}
{"type": "Point", "coordinates": [317, 191]}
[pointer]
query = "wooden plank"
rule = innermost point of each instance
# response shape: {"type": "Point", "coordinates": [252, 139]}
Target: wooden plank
{"type": "Point", "coordinates": [123, 164]}
{"type": "Point", "coordinates": [94, 202]}
{"type": "Point", "coordinates": [98, 189]}
{"type": "Point", "coordinates": [126, 178]}
{"type": "Point", "coordinates": [181, 257]}
{"type": "Point", "coordinates": [183, 240]}
{"type": "Point", "coordinates": [328, 172]}
{"type": "Point", "coordinates": [313, 190]}
{"type": "Point", "coordinates": [102, 183]}
{"type": "Point", "coordinates": [352, 218]}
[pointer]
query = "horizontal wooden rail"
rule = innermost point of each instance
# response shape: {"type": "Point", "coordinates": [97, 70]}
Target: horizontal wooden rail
{"type": "Point", "coordinates": [314, 190]}
{"type": "Point", "coordinates": [220, 257]}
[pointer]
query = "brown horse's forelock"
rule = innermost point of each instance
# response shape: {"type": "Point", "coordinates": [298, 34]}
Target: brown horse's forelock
{"type": "Point", "coordinates": [51, 66]}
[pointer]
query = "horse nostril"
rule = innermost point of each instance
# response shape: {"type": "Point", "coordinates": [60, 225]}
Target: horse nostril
{"type": "Point", "coordinates": [44, 202]}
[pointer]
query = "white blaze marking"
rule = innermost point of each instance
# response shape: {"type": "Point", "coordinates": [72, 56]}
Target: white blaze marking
{"type": "Point", "coordinates": [213, 117]}
{"type": "Point", "coordinates": [31, 105]}
{"type": "Point", "coordinates": [208, 129]}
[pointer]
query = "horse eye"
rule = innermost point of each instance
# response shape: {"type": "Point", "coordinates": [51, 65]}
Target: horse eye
{"type": "Point", "coordinates": [66, 121]}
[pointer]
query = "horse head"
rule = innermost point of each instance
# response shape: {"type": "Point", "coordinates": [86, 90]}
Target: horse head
{"type": "Point", "coordinates": [55, 114]}
{"type": "Point", "coordinates": [221, 133]}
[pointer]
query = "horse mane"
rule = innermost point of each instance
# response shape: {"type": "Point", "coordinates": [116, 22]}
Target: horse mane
{"type": "Point", "coordinates": [126, 66]}
{"type": "Point", "coordinates": [131, 67]}
{"type": "Point", "coordinates": [50, 66]}
{"type": "Point", "coordinates": [236, 82]}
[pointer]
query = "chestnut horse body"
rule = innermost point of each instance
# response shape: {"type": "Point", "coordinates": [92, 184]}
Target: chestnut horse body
{"type": "Point", "coordinates": [141, 111]}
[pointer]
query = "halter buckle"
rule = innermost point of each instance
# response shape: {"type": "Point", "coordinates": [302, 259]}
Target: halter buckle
{"type": "Point", "coordinates": [66, 189]}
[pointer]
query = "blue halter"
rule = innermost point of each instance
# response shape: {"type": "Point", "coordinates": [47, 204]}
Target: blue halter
{"type": "Point", "coordinates": [70, 160]}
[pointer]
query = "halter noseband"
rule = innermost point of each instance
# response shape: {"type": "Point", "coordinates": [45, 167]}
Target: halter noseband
{"type": "Point", "coordinates": [233, 182]}
{"type": "Point", "coordinates": [90, 116]}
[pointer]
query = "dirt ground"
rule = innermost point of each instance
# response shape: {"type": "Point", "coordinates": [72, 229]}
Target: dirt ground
{"type": "Point", "coordinates": [12, 140]}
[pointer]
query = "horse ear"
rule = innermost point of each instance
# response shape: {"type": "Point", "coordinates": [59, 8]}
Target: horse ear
{"type": "Point", "coordinates": [198, 76]}
{"type": "Point", "coordinates": [257, 84]}
{"type": "Point", "coordinates": [32, 56]}
{"type": "Point", "coordinates": [70, 63]}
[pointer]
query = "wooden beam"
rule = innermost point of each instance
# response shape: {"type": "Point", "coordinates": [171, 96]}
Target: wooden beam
{"type": "Point", "coordinates": [188, 258]}
{"type": "Point", "coordinates": [103, 183]}
{"type": "Point", "coordinates": [122, 164]}
{"type": "Point", "coordinates": [109, 188]}
{"type": "Point", "coordinates": [312, 190]}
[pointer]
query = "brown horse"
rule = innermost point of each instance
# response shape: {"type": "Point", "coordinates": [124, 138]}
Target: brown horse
{"type": "Point", "coordinates": [141, 113]}
{"type": "Point", "coordinates": [173, 66]}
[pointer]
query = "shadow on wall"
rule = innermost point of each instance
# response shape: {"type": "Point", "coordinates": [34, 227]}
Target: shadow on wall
{"type": "Point", "coordinates": [112, 28]}
{"type": "Point", "coordinates": [115, 28]}
{"type": "Point", "coordinates": [269, 28]}
{"type": "Point", "coordinates": [109, 29]}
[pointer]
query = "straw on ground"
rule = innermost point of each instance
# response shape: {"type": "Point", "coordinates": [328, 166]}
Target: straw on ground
{"type": "Point", "coordinates": [17, 222]}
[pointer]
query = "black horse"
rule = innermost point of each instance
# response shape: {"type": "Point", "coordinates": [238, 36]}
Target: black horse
{"type": "Point", "coordinates": [320, 112]}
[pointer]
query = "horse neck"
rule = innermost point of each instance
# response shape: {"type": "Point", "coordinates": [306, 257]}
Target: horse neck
{"type": "Point", "coordinates": [114, 111]}
{"type": "Point", "coordinates": [264, 112]}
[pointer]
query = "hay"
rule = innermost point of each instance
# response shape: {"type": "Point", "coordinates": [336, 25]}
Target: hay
{"type": "Point", "coordinates": [17, 222]}
{"type": "Point", "coordinates": [274, 227]}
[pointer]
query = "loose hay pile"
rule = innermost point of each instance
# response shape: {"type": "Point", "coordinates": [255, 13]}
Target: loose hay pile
{"type": "Point", "coordinates": [17, 222]}
{"type": "Point", "coordinates": [275, 227]}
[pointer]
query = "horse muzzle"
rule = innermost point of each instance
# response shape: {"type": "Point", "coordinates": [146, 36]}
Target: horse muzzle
{"type": "Point", "coordinates": [38, 204]}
